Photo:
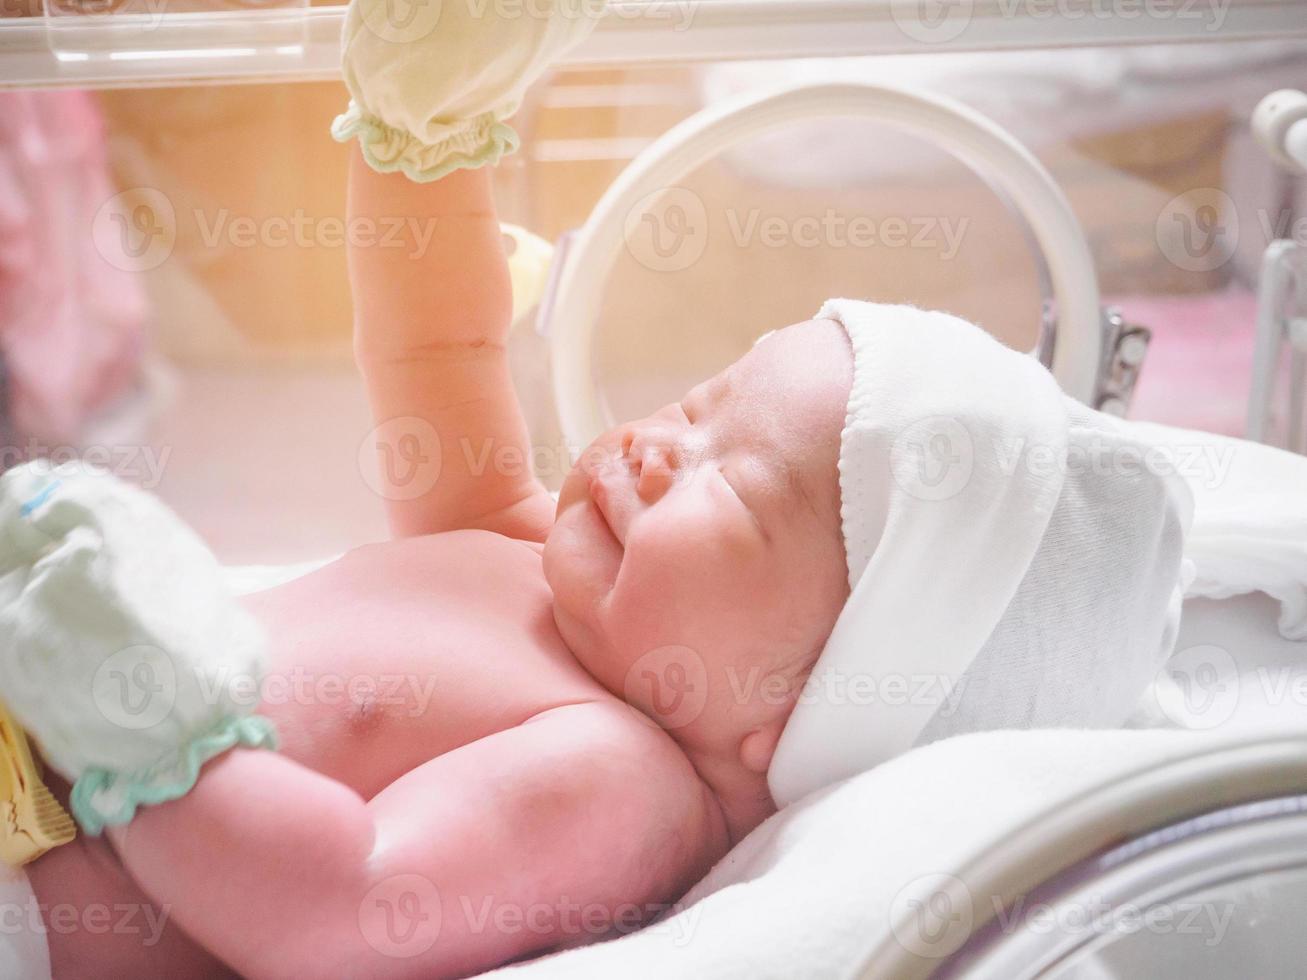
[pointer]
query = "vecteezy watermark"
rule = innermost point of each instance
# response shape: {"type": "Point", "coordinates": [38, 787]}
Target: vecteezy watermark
{"type": "Point", "coordinates": [942, 21]}
{"type": "Point", "coordinates": [545, 461]}
{"type": "Point", "coordinates": [304, 230]}
{"type": "Point", "coordinates": [144, 15]}
{"type": "Point", "coordinates": [668, 685]}
{"type": "Point", "coordinates": [935, 458]}
{"type": "Point", "coordinates": [1282, 685]}
{"type": "Point", "coordinates": [138, 687]}
{"type": "Point", "coordinates": [403, 693]}
{"type": "Point", "coordinates": [678, 13]}
{"type": "Point", "coordinates": [838, 687]}
{"type": "Point", "coordinates": [1201, 464]}
{"type": "Point", "coordinates": [401, 21]}
{"type": "Point", "coordinates": [668, 230]}
{"type": "Point", "coordinates": [401, 459]}
{"type": "Point", "coordinates": [940, 234]}
{"type": "Point", "coordinates": [1198, 687]}
{"type": "Point", "coordinates": [137, 230]}
{"type": "Point", "coordinates": [135, 688]}
{"type": "Point", "coordinates": [95, 918]}
{"type": "Point", "coordinates": [142, 465]}
{"type": "Point", "coordinates": [1199, 230]}
{"type": "Point", "coordinates": [1100, 917]}
{"type": "Point", "coordinates": [410, 21]}
{"type": "Point", "coordinates": [932, 915]}
{"type": "Point", "coordinates": [400, 917]}
{"type": "Point", "coordinates": [571, 919]}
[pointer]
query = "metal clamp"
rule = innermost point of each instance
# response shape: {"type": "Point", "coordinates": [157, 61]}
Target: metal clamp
{"type": "Point", "coordinates": [1125, 345]}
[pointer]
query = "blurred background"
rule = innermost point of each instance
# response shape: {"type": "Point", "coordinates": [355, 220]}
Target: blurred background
{"type": "Point", "coordinates": [172, 260]}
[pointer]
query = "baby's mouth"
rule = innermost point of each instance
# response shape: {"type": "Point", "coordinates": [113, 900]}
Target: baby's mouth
{"type": "Point", "coordinates": [601, 495]}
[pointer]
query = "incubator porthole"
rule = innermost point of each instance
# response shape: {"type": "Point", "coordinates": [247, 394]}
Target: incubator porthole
{"type": "Point", "coordinates": [741, 245]}
{"type": "Point", "coordinates": [1221, 895]}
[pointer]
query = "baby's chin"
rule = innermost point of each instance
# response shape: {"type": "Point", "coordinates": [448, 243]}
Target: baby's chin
{"type": "Point", "coordinates": [581, 561]}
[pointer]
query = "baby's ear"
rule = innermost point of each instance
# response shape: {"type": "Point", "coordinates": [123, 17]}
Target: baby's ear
{"type": "Point", "coordinates": [757, 748]}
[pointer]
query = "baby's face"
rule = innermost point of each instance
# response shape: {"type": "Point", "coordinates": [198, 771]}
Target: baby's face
{"type": "Point", "coordinates": [712, 526]}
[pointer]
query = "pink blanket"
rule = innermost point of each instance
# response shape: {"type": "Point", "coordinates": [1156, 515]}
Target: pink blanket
{"type": "Point", "coordinates": [71, 316]}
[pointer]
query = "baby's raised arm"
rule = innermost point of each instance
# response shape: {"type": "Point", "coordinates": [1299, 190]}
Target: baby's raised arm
{"type": "Point", "coordinates": [431, 86]}
{"type": "Point", "coordinates": [431, 321]}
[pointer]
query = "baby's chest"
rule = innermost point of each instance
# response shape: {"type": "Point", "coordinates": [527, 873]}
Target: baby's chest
{"type": "Point", "coordinates": [381, 666]}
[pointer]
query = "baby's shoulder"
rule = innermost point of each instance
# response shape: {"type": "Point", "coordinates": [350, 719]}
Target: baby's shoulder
{"type": "Point", "coordinates": [612, 753]}
{"type": "Point", "coordinates": [632, 786]}
{"type": "Point", "coordinates": [614, 736]}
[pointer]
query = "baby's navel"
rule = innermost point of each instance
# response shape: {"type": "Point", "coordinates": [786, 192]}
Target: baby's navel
{"type": "Point", "coordinates": [364, 714]}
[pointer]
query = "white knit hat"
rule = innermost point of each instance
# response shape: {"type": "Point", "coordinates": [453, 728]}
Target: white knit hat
{"type": "Point", "coordinates": [999, 575]}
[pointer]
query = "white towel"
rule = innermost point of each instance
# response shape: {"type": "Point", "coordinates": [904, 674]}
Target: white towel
{"type": "Point", "coordinates": [1011, 564]}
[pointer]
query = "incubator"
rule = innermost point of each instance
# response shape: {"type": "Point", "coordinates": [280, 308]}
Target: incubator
{"type": "Point", "coordinates": [1118, 187]}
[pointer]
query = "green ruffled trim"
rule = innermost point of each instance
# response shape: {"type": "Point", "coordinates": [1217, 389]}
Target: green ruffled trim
{"type": "Point", "coordinates": [479, 142]}
{"type": "Point", "coordinates": [168, 781]}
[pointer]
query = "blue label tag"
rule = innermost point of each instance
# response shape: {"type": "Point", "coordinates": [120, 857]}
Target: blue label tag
{"type": "Point", "coordinates": [40, 498]}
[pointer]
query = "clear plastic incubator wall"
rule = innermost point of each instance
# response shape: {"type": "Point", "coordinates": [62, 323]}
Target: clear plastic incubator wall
{"type": "Point", "coordinates": [174, 301]}
{"type": "Point", "coordinates": [171, 191]}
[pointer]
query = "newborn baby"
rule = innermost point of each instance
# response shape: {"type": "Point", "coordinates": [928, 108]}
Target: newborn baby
{"type": "Point", "coordinates": [523, 725]}
{"type": "Point", "coordinates": [567, 750]}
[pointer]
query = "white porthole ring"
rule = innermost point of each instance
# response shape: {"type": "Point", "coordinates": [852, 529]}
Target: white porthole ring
{"type": "Point", "coordinates": [972, 138]}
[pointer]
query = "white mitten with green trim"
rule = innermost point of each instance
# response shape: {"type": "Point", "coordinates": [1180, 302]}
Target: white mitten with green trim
{"type": "Point", "coordinates": [432, 81]}
{"type": "Point", "coordinates": [121, 650]}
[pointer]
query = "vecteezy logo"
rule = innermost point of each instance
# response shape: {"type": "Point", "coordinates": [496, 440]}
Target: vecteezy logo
{"type": "Point", "coordinates": [136, 687]}
{"type": "Point", "coordinates": [1199, 687]}
{"type": "Point", "coordinates": [135, 230]}
{"type": "Point", "coordinates": [667, 231]}
{"type": "Point", "coordinates": [932, 21]}
{"type": "Point", "coordinates": [932, 915]}
{"type": "Point", "coordinates": [401, 21]}
{"type": "Point", "coordinates": [667, 690]}
{"type": "Point", "coordinates": [401, 458]}
{"type": "Point", "coordinates": [932, 459]}
{"type": "Point", "coordinates": [1198, 230]}
{"type": "Point", "coordinates": [400, 916]}
{"type": "Point", "coordinates": [669, 685]}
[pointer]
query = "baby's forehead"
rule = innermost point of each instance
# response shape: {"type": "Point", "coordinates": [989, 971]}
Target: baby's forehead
{"type": "Point", "coordinates": [801, 372]}
{"type": "Point", "coordinates": [788, 398]}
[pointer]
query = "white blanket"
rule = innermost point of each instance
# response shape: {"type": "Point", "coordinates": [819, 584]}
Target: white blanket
{"type": "Point", "coordinates": [814, 889]}
{"type": "Point", "coordinates": [811, 891]}
{"type": "Point", "coordinates": [1249, 531]}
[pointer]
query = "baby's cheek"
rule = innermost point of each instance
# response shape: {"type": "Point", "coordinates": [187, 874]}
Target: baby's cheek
{"type": "Point", "coordinates": [692, 555]}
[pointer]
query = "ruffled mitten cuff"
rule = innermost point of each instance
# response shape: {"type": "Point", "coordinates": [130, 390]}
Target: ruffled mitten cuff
{"type": "Point", "coordinates": [104, 798]}
{"type": "Point", "coordinates": [466, 144]}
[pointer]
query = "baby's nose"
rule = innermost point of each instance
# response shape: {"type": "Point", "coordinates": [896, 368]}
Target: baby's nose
{"type": "Point", "coordinates": [653, 461]}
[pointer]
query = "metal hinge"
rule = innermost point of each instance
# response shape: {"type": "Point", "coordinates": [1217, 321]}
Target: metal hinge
{"type": "Point", "coordinates": [1125, 345]}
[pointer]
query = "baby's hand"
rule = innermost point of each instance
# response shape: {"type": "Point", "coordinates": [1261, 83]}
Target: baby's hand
{"type": "Point", "coordinates": [123, 652]}
{"type": "Point", "coordinates": [433, 80]}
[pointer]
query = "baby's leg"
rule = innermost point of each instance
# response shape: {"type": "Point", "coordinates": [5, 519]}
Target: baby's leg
{"type": "Point", "coordinates": [138, 938]}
